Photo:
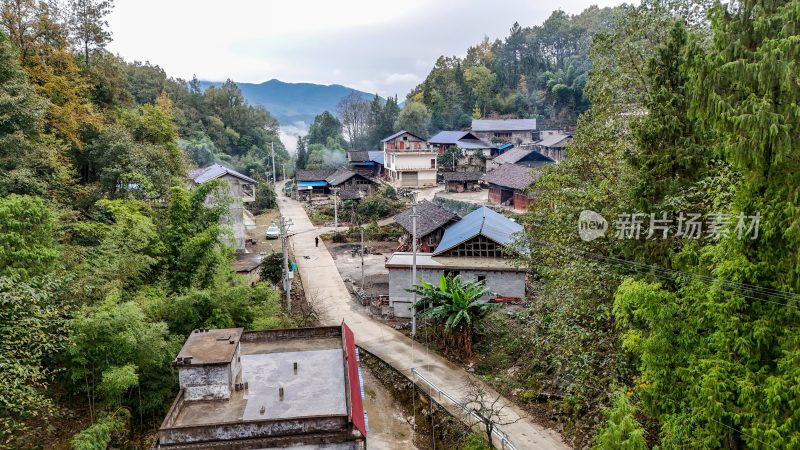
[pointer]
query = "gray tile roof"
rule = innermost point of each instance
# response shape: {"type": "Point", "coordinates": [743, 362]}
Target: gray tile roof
{"type": "Point", "coordinates": [462, 176]}
{"type": "Point", "coordinates": [512, 156]}
{"type": "Point", "coordinates": [314, 174]}
{"type": "Point", "coordinates": [431, 217]}
{"type": "Point", "coordinates": [513, 176]}
{"type": "Point", "coordinates": [358, 156]}
{"type": "Point", "coordinates": [503, 125]}
{"type": "Point", "coordinates": [555, 141]}
{"type": "Point", "coordinates": [215, 171]}
{"type": "Point", "coordinates": [400, 133]}
{"type": "Point", "coordinates": [339, 176]}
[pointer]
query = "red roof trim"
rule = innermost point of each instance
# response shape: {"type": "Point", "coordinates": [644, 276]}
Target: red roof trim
{"type": "Point", "coordinates": [356, 405]}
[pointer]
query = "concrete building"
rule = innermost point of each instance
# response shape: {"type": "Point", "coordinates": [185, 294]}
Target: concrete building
{"type": "Point", "coordinates": [267, 390]}
{"type": "Point", "coordinates": [242, 190]}
{"type": "Point", "coordinates": [515, 131]}
{"type": "Point", "coordinates": [432, 221]}
{"type": "Point", "coordinates": [409, 161]}
{"type": "Point", "coordinates": [474, 248]}
{"type": "Point", "coordinates": [507, 185]}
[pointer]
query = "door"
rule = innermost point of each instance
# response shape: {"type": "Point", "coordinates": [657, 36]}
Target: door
{"type": "Point", "coordinates": [410, 179]}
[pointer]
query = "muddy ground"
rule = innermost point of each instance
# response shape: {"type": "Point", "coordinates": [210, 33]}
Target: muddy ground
{"type": "Point", "coordinates": [376, 276]}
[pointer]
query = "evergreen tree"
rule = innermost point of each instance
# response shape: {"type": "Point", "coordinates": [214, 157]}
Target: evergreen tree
{"type": "Point", "coordinates": [300, 162]}
{"type": "Point", "coordinates": [325, 126]}
{"type": "Point", "coordinates": [88, 24]}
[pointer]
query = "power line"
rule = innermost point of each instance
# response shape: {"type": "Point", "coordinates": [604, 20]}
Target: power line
{"type": "Point", "coordinates": [665, 273]}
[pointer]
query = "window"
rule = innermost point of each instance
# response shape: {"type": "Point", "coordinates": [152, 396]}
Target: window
{"type": "Point", "coordinates": [433, 163]}
{"type": "Point", "coordinates": [481, 278]}
{"type": "Point", "coordinates": [451, 273]}
{"type": "Point", "coordinates": [503, 134]}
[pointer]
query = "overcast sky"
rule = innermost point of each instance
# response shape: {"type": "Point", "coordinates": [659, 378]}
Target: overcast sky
{"type": "Point", "coordinates": [379, 46]}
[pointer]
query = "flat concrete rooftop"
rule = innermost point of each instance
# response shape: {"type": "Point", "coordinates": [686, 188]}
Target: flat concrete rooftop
{"type": "Point", "coordinates": [317, 389]}
{"type": "Point", "coordinates": [210, 346]}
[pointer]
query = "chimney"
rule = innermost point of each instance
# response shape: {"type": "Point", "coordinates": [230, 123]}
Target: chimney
{"type": "Point", "coordinates": [280, 393]}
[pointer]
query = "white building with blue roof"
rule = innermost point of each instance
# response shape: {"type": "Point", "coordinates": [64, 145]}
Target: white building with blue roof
{"type": "Point", "coordinates": [478, 247]}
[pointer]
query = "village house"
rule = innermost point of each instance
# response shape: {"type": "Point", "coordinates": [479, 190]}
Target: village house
{"type": "Point", "coordinates": [248, 265]}
{"type": "Point", "coordinates": [473, 152]}
{"type": "Point", "coordinates": [462, 181]}
{"type": "Point", "coordinates": [267, 389]}
{"type": "Point", "coordinates": [348, 181]}
{"type": "Point", "coordinates": [553, 144]}
{"type": "Point", "coordinates": [515, 131]}
{"type": "Point", "coordinates": [409, 161]}
{"type": "Point", "coordinates": [507, 185]}
{"type": "Point", "coordinates": [520, 156]}
{"type": "Point", "coordinates": [241, 190]}
{"type": "Point", "coordinates": [367, 163]}
{"type": "Point", "coordinates": [310, 183]}
{"type": "Point", "coordinates": [476, 248]}
{"type": "Point", "coordinates": [432, 221]}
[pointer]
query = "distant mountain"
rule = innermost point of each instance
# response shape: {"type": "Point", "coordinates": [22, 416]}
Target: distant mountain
{"type": "Point", "coordinates": [291, 103]}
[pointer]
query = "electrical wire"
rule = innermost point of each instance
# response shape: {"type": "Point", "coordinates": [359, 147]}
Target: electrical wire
{"type": "Point", "coordinates": [668, 274]}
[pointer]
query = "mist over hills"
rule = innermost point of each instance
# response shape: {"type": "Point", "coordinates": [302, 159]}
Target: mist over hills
{"type": "Point", "coordinates": [292, 103]}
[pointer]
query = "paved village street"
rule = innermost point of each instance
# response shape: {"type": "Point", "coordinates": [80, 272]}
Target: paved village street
{"type": "Point", "coordinates": [324, 286]}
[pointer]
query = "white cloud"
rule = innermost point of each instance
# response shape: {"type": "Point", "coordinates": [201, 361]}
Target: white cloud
{"type": "Point", "coordinates": [377, 46]}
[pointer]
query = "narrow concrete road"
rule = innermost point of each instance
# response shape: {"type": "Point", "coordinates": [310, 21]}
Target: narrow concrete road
{"type": "Point", "coordinates": [324, 287]}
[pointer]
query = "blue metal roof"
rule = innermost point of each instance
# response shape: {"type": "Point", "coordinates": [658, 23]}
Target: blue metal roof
{"type": "Point", "coordinates": [376, 156]}
{"type": "Point", "coordinates": [505, 146]}
{"type": "Point", "coordinates": [312, 183]}
{"type": "Point", "coordinates": [447, 137]}
{"type": "Point", "coordinates": [482, 221]}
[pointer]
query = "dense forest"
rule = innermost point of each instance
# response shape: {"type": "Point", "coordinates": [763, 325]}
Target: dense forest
{"type": "Point", "coordinates": [535, 72]}
{"type": "Point", "coordinates": [674, 339]}
{"type": "Point", "coordinates": [106, 261]}
{"type": "Point", "coordinates": [629, 341]}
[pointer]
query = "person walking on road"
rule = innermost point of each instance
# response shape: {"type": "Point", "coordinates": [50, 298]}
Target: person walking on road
{"type": "Point", "coordinates": [316, 241]}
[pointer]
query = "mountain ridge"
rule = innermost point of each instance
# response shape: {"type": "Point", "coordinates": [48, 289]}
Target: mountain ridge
{"type": "Point", "coordinates": [293, 104]}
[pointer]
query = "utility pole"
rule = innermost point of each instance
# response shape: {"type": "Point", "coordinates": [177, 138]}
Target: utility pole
{"type": "Point", "coordinates": [362, 258]}
{"type": "Point", "coordinates": [335, 209]}
{"type": "Point", "coordinates": [414, 262]}
{"type": "Point", "coordinates": [272, 152]}
{"type": "Point", "coordinates": [285, 272]}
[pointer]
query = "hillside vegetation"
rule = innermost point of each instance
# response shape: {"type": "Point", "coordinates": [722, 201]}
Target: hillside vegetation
{"type": "Point", "coordinates": [106, 261]}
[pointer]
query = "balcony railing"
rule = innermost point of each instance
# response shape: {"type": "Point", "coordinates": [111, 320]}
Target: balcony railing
{"type": "Point", "coordinates": [414, 147]}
